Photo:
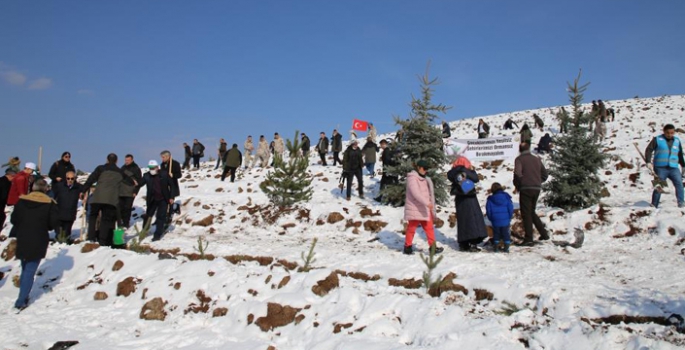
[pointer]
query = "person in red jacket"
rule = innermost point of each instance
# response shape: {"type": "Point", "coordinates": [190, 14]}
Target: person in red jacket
{"type": "Point", "coordinates": [21, 183]}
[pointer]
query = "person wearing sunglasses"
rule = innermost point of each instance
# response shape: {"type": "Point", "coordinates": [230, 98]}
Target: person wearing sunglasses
{"type": "Point", "coordinates": [67, 195]}
{"type": "Point", "coordinates": [59, 169]}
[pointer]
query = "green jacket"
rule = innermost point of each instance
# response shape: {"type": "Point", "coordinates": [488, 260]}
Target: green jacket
{"type": "Point", "coordinates": [233, 158]}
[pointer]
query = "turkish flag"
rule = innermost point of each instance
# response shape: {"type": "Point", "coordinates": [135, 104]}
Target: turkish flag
{"type": "Point", "coordinates": [359, 125]}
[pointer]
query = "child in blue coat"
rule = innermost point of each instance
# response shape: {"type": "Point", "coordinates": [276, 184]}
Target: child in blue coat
{"type": "Point", "coordinates": [500, 210]}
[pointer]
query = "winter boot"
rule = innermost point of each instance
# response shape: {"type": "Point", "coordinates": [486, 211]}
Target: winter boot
{"type": "Point", "coordinates": [506, 248]}
{"type": "Point", "coordinates": [408, 250]}
{"type": "Point", "coordinates": [437, 250]}
{"type": "Point", "coordinates": [495, 246]}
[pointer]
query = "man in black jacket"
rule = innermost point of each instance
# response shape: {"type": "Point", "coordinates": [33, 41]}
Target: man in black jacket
{"type": "Point", "coordinates": [322, 147]}
{"type": "Point", "coordinates": [336, 145]}
{"type": "Point", "coordinates": [5, 185]}
{"type": "Point", "coordinates": [173, 169]}
{"type": "Point", "coordinates": [446, 131]}
{"type": "Point", "coordinates": [127, 193]}
{"type": "Point", "coordinates": [158, 197]}
{"type": "Point", "coordinates": [483, 129]}
{"type": "Point", "coordinates": [105, 199]}
{"type": "Point", "coordinates": [353, 162]}
{"type": "Point", "coordinates": [34, 216]}
{"type": "Point", "coordinates": [189, 154]}
{"type": "Point", "coordinates": [388, 160]}
{"type": "Point", "coordinates": [67, 194]}
{"type": "Point", "coordinates": [59, 168]}
{"type": "Point", "coordinates": [306, 145]}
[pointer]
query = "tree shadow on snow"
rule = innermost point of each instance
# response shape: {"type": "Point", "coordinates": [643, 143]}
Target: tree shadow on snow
{"type": "Point", "coordinates": [51, 272]}
{"type": "Point", "coordinates": [395, 241]}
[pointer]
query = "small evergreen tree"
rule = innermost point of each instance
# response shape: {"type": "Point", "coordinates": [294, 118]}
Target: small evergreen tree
{"type": "Point", "coordinates": [289, 182]}
{"type": "Point", "coordinates": [576, 161]}
{"type": "Point", "coordinates": [419, 138]}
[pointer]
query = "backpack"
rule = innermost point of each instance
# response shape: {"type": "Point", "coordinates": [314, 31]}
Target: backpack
{"type": "Point", "coordinates": [463, 186]}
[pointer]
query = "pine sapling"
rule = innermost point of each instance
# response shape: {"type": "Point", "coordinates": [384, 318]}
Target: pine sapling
{"type": "Point", "coordinates": [201, 248]}
{"type": "Point", "coordinates": [431, 263]}
{"type": "Point", "coordinates": [135, 244]}
{"type": "Point", "coordinates": [309, 259]}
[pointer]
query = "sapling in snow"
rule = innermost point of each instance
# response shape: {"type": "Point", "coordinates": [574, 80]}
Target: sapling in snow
{"type": "Point", "coordinates": [201, 248]}
{"type": "Point", "coordinates": [309, 259]}
{"type": "Point", "coordinates": [431, 263]}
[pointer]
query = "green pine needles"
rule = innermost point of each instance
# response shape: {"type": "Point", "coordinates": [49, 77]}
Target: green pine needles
{"type": "Point", "coordinates": [418, 138]}
{"type": "Point", "coordinates": [309, 259]}
{"type": "Point", "coordinates": [576, 161]}
{"type": "Point", "coordinates": [289, 183]}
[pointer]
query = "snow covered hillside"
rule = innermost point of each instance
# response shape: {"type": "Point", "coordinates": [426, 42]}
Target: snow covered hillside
{"type": "Point", "coordinates": [248, 291]}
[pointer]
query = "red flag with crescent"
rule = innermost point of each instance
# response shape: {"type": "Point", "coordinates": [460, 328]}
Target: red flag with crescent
{"type": "Point", "coordinates": [360, 125]}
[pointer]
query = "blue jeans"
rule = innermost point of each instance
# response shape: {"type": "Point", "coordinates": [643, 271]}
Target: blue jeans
{"type": "Point", "coordinates": [28, 272]}
{"type": "Point", "coordinates": [370, 168]}
{"type": "Point", "coordinates": [501, 233]}
{"type": "Point", "coordinates": [674, 175]}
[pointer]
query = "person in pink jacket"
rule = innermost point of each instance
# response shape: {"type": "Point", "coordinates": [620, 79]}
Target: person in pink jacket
{"type": "Point", "coordinates": [419, 207]}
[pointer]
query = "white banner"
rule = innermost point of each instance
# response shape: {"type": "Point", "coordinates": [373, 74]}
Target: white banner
{"type": "Point", "coordinates": [483, 149]}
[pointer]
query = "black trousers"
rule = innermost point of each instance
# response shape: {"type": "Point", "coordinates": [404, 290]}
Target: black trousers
{"type": "Point", "coordinates": [158, 208]}
{"type": "Point", "coordinates": [323, 158]}
{"type": "Point", "coordinates": [529, 200]}
{"type": "Point", "coordinates": [336, 158]}
{"type": "Point", "coordinates": [65, 225]}
{"type": "Point", "coordinates": [125, 208]}
{"type": "Point", "coordinates": [196, 161]}
{"type": "Point", "coordinates": [360, 181]}
{"type": "Point", "coordinates": [108, 219]}
{"type": "Point", "coordinates": [186, 163]}
{"type": "Point", "coordinates": [388, 180]}
{"type": "Point", "coordinates": [228, 169]}
{"type": "Point", "coordinates": [3, 217]}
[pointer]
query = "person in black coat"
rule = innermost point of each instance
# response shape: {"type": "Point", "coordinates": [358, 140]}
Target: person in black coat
{"type": "Point", "coordinates": [128, 193]}
{"type": "Point", "coordinates": [336, 146]}
{"type": "Point", "coordinates": [34, 216]}
{"type": "Point", "coordinates": [67, 194]}
{"type": "Point", "coordinates": [470, 223]}
{"type": "Point", "coordinates": [388, 160]}
{"type": "Point", "coordinates": [353, 162]}
{"type": "Point", "coordinates": [59, 169]}
{"type": "Point", "coordinates": [446, 131]}
{"type": "Point", "coordinates": [545, 144]}
{"type": "Point", "coordinates": [173, 169]}
{"type": "Point", "coordinates": [5, 185]}
{"type": "Point", "coordinates": [189, 154]}
{"type": "Point", "coordinates": [306, 145]}
{"type": "Point", "coordinates": [158, 198]}
{"type": "Point", "coordinates": [322, 147]}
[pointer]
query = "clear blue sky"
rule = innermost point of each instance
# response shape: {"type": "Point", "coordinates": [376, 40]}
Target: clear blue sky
{"type": "Point", "coordinates": [94, 77]}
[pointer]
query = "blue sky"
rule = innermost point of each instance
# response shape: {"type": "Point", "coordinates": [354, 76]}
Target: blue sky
{"type": "Point", "coordinates": [94, 77]}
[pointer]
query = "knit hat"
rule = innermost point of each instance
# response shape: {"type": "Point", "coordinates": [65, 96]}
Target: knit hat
{"type": "Point", "coordinates": [30, 165]}
{"type": "Point", "coordinates": [463, 161]}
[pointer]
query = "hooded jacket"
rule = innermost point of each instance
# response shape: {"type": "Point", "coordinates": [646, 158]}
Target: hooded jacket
{"type": "Point", "coordinates": [420, 194]}
{"type": "Point", "coordinates": [500, 209]}
{"type": "Point", "coordinates": [34, 216]}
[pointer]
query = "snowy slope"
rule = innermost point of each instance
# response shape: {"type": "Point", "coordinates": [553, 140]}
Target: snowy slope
{"type": "Point", "coordinates": [542, 297]}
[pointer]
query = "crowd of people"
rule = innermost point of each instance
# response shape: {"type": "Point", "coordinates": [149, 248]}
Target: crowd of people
{"type": "Point", "coordinates": [45, 203]}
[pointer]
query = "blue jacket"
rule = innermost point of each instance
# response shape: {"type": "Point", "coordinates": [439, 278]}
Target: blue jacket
{"type": "Point", "coordinates": [500, 209]}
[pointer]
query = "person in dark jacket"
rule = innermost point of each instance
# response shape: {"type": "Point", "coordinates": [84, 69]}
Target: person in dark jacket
{"type": "Point", "coordinates": [188, 154]}
{"type": "Point", "coordinates": [232, 162]}
{"type": "Point", "coordinates": [128, 193]}
{"type": "Point", "coordinates": [545, 144]}
{"type": "Point", "coordinates": [158, 197]}
{"type": "Point", "coordinates": [370, 151]}
{"type": "Point", "coordinates": [105, 199]}
{"type": "Point", "coordinates": [483, 129]}
{"type": "Point", "coordinates": [529, 174]}
{"type": "Point", "coordinates": [5, 185]}
{"type": "Point", "coordinates": [388, 160]}
{"type": "Point", "coordinates": [67, 194]}
{"type": "Point", "coordinates": [667, 150]}
{"type": "Point", "coordinates": [223, 147]}
{"type": "Point", "coordinates": [198, 152]}
{"type": "Point", "coordinates": [509, 124]}
{"type": "Point", "coordinates": [470, 224]}
{"type": "Point", "coordinates": [306, 145]}
{"type": "Point", "coordinates": [60, 168]}
{"type": "Point", "coordinates": [538, 122]}
{"type": "Point", "coordinates": [446, 131]}
{"type": "Point", "coordinates": [336, 145]}
{"type": "Point", "coordinates": [322, 147]}
{"type": "Point", "coordinates": [173, 169]}
{"type": "Point", "coordinates": [526, 134]}
{"type": "Point", "coordinates": [500, 210]}
{"type": "Point", "coordinates": [353, 161]}
{"type": "Point", "coordinates": [34, 216]}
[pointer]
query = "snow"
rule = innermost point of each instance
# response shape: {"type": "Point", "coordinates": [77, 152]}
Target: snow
{"type": "Point", "coordinates": [555, 291]}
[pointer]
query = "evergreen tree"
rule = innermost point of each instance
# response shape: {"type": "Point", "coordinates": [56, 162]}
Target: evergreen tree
{"type": "Point", "coordinates": [418, 138]}
{"type": "Point", "coordinates": [576, 161]}
{"type": "Point", "coordinates": [289, 182]}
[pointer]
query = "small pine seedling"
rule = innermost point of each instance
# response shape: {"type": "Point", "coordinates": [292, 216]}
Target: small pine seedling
{"type": "Point", "coordinates": [431, 263]}
{"type": "Point", "coordinates": [309, 259]}
{"type": "Point", "coordinates": [201, 248]}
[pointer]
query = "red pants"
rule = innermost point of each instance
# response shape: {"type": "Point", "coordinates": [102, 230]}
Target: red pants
{"type": "Point", "coordinates": [411, 229]}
